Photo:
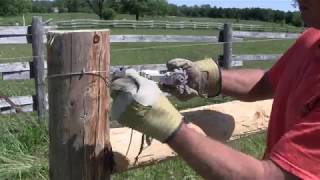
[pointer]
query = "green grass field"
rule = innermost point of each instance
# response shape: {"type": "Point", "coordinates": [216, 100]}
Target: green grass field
{"type": "Point", "coordinates": [54, 17]}
{"type": "Point", "coordinates": [24, 143]}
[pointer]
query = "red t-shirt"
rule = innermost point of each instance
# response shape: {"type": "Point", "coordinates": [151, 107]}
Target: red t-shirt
{"type": "Point", "coordinates": [294, 128]}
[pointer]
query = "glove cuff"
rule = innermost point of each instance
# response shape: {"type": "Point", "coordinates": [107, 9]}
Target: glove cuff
{"type": "Point", "coordinates": [166, 119]}
{"type": "Point", "coordinates": [212, 75]}
{"type": "Point", "coordinates": [160, 120]}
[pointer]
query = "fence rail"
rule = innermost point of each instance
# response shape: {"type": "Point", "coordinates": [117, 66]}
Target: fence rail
{"type": "Point", "coordinates": [89, 23]}
{"type": "Point", "coordinates": [17, 35]}
{"type": "Point", "coordinates": [21, 70]}
{"type": "Point", "coordinates": [24, 70]}
{"type": "Point", "coordinates": [270, 35]}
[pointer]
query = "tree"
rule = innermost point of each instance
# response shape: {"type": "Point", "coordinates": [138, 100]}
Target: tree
{"type": "Point", "coordinates": [137, 7]}
{"type": "Point", "coordinates": [157, 7]}
{"type": "Point", "coordinates": [75, 5]}
{"type": "Point", "coordinates": [61, 5]}
{"type": "Point", "coordinates": [14, 7]}
{"type": "Point", "coordinates": [297, 20]}
{"type": "Point", "coordinates": [97, 7]}
{"type": "Point", "coordinates": [42, 6]}
{"type": "Point", "coordinates": [205, 10]}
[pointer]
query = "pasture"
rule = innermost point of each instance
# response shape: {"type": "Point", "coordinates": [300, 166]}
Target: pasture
{"type": "Point", "coordinates": [24, 143]}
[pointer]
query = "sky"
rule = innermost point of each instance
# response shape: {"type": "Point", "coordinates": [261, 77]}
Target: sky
{"type": "Point", "coordinates": [284, 5]}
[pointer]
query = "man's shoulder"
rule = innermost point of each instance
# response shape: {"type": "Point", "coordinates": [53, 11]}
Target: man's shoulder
{"type": "Point", "coordinates": [311, 35]}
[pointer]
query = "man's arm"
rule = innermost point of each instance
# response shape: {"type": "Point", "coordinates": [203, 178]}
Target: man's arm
{"type": "Point", "coordinates": [246, 84]}
{"type": "Point", "coordinates": [213, 160]}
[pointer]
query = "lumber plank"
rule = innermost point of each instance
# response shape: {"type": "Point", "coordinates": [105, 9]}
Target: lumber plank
{"type": "Point", "coordinates": [227, 121]}
{"type": "Point", "coordinates": [256, 57]}
{"type": "Point", "coordinates": [272, 35]}
{"type": "Point", "coordinates": [19, 101]}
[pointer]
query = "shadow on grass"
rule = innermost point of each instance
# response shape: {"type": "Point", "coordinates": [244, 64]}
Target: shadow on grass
{"type": "Point", "coordinates": [214, 124]}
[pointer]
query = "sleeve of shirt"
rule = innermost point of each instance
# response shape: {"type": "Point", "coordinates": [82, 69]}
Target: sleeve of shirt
{"type": "Point", "coordinates": [276, 70]}
{"type": "Point", "coordinates": [298, 151]}
{"type": "Point", "coordinates": [274, 74]}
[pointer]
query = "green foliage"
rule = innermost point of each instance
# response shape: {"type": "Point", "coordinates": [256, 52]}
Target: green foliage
{"type": "Point", "coordinates": [297, 20]}
{"type": "Point", "coordinates": [108, 14]}
{"type": "Point", "coordinates": [23, 148]}
{"type": "Point", "coordinates": [153, 8]}
{"type": "Point", "coordinates": [137, 7]}
{"type": "Point", "coordinates": [76, 6]}
{"type": "Point", "coordinates": [14, 7]}
{"type": "Point", "coordinates": [42, 6]}
{"type": "Point", "coordinates": [97, 6]}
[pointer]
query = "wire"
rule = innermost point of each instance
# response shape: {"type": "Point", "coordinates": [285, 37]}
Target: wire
{"type": "Point", "coordinates": [130, 141]}
{"type": "Point", "coordinates": [82, 73]}
{"type": "Point", "coordinates": [23, 57]}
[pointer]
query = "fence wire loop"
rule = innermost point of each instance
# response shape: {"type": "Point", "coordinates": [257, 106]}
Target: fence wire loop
{"type": "Point", "coordinates": [82, 73]}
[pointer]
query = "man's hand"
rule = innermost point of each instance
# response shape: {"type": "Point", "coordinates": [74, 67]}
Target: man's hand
{"type": "Point", "coordinates": [139, 104]}
{"type": "Point", "coordinates": [204, 78]}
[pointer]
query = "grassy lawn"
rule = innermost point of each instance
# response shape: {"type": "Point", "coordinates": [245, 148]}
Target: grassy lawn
{"type": "Point", "coordinates": [10, 21]}
{"type": "Point", "coordinates": [24, 143]}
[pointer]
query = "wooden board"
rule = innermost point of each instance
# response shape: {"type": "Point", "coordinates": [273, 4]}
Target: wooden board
{"type": "Point", "coordinates": [256, 57]}
{"type": "Point", "coordinates": [13, 30]}
{"type": "Point", "coordinates": [162, 38]}
{"type": "Point", "coordinates": [227, 121]}
{"type": "Point", "coordinates": [271, 35]}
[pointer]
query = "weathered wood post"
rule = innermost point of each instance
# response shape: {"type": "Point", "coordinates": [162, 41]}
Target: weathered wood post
{"type": "Point", "coordinates": [37, 31]}
{"type": "Point", "coordinates": [226, 37]}
{"type": "Point", "coordinates": [78, 72]}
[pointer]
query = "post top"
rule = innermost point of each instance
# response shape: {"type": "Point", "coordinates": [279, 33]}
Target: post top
{"type": "Point", "coordinates": [77, 31]}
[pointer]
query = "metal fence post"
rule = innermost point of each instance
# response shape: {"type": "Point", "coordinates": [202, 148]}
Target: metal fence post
{"type": "Point", "coordinates": [226, 36]}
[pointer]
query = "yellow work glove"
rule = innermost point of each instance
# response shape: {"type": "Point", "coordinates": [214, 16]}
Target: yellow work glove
{"type": "Point", "coordinates": [204, 78]}
{"type": "Point", "coordinates": [139, 104]}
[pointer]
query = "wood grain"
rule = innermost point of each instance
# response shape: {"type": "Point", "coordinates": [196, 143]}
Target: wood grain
{"type": "Point", "coordinates": [79, 105]}
{"type": "Point", "coordinates": [224, 122]}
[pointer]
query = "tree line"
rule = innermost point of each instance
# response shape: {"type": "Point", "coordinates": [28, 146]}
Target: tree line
{"type": "Point", "coordinates": [108, 9]}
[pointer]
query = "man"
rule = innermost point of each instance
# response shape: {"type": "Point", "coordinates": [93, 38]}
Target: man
{"type": "Point", "coordinates": [293, 145]}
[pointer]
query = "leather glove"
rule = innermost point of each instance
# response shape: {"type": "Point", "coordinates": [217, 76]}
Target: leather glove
{"type": "Point", "coordinates": [139, 104]}
{"type": "Point", "coordinates": [204, 78]}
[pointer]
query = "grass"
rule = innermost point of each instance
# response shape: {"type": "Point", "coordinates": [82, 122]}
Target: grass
{"type": "Point", "coordinates": [24, 143]}
{"type": "Point", "coordinates": [24, 153]}
{"type": "Point", "coordinates": [18, 20]}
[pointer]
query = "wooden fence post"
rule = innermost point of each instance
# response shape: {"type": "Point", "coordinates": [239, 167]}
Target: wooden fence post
{"type": "Point", "coordinates": [78, 72]}
{"type": "Point", "coordinates": [37, 31]}
{"type": "Point", "coordinates": [226, 37]}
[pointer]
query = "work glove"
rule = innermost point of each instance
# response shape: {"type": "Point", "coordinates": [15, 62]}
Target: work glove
{"type": "Point", "coordinates": [139, 104]}
{"type": "Point", "coordinates": [204, 78]}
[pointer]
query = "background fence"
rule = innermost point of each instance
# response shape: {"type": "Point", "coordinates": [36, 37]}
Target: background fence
{"type": "Point", "coordinates": [88, 23]}
{"type": "Point", "coordinates": [35, 67]}
{"type": "Point", "coordinates": [227, 38]}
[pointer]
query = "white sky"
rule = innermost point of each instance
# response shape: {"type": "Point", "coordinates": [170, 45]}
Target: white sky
{"type": "Point", "coordinates": [285, 5]}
